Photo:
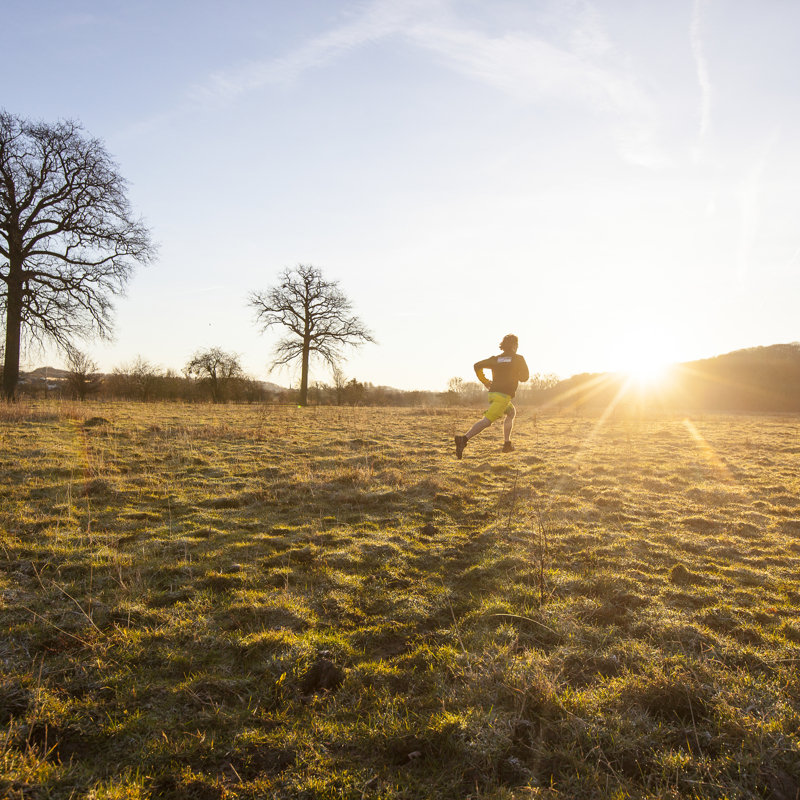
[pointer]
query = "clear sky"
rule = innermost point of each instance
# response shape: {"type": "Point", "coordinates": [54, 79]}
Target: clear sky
{"type": "Point", "coordinates": [610, 180]}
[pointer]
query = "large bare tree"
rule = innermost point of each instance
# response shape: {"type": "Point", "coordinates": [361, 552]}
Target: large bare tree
{"type": "Point", "coordinates": [68, 239]}
{"type": "Point", "coordinates": [317, 316]}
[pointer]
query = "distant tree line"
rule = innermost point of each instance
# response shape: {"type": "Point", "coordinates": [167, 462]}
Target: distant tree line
{"type": "Point", "coordinates": [216, 376]}
{"type": "Point", "coordinates": [209, 376]}
{"type": "Point", "coordinates": [471, 393]}
{"type": "Point", "coordinates": [142, 381]}
{"type": "Point", "coordinates": [758, 379]}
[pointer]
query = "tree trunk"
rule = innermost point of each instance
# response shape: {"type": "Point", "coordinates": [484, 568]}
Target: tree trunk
{"type": "Point", "coordinates": [304, 376]}
{"type": "Point", "coordinates": [13, 335]}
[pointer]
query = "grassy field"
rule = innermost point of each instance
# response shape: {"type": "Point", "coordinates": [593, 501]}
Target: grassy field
{"type": "Point", "coordinates": [209, 602]}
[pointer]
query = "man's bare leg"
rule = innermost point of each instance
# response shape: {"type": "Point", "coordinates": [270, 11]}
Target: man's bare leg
{"type": "Point", "coordinates": [481, 425]}
{"type": "Point", "coordinates": [508, 423]}
{"type": "Point", "coordinates": [461, 441]}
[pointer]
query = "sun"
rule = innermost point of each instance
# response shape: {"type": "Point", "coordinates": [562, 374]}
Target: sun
{"type": "Point", "coordinates": [646, 362]}
{"type": "Point", "coordinates": [649, 373]}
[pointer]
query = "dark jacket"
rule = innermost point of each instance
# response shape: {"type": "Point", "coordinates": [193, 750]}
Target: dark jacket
{"type": "Point", "coordinates": [508, 371]}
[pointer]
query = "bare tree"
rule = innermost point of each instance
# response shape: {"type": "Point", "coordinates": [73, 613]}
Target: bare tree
{"type": "Point", "coordinates": [83, 378]}
{"type": "Point", "coordinates": [339, 383]}
{"type": "Point", "coordinates": [67, 233]}
{"type": "Point", "coordinates": [216, 369]}
{"type": "Point", "coordinates": [455, 391]}
{"type": "Point", "coordinates": [137, 379]}
{"type": "Point", "coordinates": [317, 315]}
{"type": "Point", "coordinates": [536, 389]}
{"type": "Point", "coordinates": [456, 385]}
{"type": "Point", "coordinates": [354, 392]}
{"type": "Point", "coordinates": [249, 389]}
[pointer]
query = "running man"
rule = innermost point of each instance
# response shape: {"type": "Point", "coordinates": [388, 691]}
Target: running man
{"type": "Point", "coordinates": [508, 370]}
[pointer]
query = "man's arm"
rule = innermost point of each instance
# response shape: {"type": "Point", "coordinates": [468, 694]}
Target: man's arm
{"type": "Point", "coordinates": [522, 370]}
{"type": "Point", "coordinates": [479, 367]}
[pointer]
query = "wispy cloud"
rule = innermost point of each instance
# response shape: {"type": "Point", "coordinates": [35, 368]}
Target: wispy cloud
{"type": "Point", "coordinates": [703, 76]}
{"type": "Point", "coordinates": [533, 70]}
{"type": "Point", "coordinates": [522, 64]}
{"type": "Point", "coordinates": [376, 22]}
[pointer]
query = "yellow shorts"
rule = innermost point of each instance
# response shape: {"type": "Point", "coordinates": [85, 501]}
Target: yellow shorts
{"type": "Point", "coordinates": [499, 404]}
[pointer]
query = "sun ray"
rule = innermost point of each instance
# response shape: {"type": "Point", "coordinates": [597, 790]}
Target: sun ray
{"type": "Point", "coordinates": [708, 451]}
{"type": "Point", "coordinates": [597, 384]}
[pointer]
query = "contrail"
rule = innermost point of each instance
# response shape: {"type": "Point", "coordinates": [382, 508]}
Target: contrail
{"type": "Point", "coordinates": [703, 77]}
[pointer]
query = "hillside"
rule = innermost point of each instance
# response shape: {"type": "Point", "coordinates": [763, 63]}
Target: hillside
{"type": "Point", "coordinates": [755, 379]}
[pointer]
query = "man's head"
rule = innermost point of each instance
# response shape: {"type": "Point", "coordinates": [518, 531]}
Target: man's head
{"type": "Point", "coordinates": [509, 344]}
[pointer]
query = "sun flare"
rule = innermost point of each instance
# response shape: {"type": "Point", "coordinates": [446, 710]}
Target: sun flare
{"type": "Point", "coordinates": [645, 362]}
{"type": "Point", "coordinates": [649, 373]}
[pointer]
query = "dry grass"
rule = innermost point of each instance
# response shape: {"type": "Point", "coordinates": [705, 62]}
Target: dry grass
{"type": "Point", "coordinates": [209, 602]}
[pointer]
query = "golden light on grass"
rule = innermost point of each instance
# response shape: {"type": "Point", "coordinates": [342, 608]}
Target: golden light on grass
{"type": "Point", "coordinates": [432, 618]}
